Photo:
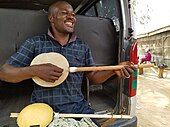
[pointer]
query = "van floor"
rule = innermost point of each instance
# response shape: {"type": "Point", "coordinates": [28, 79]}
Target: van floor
{"type": "Point", "coordinates": [101, 102]}
{"type": "Point", "coordinates": [11, 104]}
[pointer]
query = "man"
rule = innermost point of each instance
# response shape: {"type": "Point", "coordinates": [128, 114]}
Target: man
{"type": "Point", "coordinates": [67, 97]}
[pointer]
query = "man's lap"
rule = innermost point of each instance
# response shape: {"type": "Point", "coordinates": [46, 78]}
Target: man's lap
{"type": "Point", "coordinates": [81, 107]}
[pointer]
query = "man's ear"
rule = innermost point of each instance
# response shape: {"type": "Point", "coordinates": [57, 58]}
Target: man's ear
{"type": "Point", "coordinates": [50, 18]}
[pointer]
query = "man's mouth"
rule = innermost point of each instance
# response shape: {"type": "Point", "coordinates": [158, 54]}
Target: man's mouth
{"type": "Point", "coordinates": [69, 24]}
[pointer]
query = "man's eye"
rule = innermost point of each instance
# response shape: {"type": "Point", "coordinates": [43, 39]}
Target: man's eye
{"type": "Point", "coordinates": [64, 13]}
{"type": "Point", "coordinates": [73, 14]}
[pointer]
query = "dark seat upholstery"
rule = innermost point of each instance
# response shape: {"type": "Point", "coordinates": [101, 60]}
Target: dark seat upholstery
{"type": "Point", "coordinates": [15, 27]}
{"type": "Point", "coordinates": [100, 35]}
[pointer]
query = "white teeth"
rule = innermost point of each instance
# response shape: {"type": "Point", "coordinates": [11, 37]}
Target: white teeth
{"type": "Point", "coordinates": [69, 23]}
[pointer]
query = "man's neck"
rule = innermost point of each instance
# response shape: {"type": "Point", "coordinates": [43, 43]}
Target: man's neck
{"type": "Point", "coordinates": [62, 38]}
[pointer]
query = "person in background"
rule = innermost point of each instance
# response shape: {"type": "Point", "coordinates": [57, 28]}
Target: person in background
{"type": "Point", "coordinates": [147, 57]}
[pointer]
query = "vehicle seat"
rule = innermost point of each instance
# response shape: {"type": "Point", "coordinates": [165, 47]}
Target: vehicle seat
{"type": "Point", "coordinates": [15, 26]}
{"type": "Point", "coordinates": [100, 35]}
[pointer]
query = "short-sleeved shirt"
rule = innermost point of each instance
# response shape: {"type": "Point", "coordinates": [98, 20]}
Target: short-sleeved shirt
{"type": "Point", "coordinates": [67, 97]}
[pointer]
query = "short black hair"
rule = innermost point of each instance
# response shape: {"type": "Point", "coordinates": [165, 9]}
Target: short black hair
{"type": "Point", "coordinates": [54, 5]}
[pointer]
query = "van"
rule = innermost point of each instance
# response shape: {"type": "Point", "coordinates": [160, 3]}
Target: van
{"type": "Point", "coordinates": [105, 25]}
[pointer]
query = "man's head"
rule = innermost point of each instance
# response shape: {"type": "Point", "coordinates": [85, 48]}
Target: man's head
{"type": "Point", "coordinates": [62, 17]}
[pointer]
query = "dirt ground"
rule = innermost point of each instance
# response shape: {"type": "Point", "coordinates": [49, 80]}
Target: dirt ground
{"type": "Point", "coordinates": [153, 101]}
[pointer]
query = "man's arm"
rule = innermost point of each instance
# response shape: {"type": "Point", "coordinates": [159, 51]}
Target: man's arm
{"type": "Point", "coordinates": [47, 72]}
{"type": "Point", "coordinates": [98, 77]}
{"type": "Point", "coordinates": [12, 74]}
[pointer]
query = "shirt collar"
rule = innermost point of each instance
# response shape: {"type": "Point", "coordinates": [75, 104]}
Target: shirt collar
{"type": "Point", "coordinates": [72, 38]}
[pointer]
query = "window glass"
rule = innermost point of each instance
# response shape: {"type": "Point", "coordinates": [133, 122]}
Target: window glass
{"type": "Point", "coordinates": [106, 9]}
{"type": "Point", "coordinates": [91, 12]}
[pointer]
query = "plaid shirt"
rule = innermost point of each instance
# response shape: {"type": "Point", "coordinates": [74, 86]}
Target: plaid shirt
{"type": "Point", "coordinates": [67, 97]}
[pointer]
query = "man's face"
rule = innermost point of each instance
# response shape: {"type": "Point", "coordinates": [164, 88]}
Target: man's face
{"type": "Point", "coordinates": [64, 18]}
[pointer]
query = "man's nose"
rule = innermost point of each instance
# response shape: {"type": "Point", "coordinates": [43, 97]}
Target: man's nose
{"type": "Point", "coordinates": [71, 15]}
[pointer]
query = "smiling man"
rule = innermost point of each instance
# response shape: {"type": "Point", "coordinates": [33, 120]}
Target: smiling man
{"type": "Point", "coordinates": [67, 97]}
{"type": "Point", "coordinates": [62, 20]}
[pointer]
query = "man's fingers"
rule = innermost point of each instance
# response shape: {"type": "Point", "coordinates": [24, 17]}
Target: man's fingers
{"type": "Point", "coordinates": [54, 78]}
{"type": "Point", "coordinates": [48, 79]}
{"type": "Point", "coordinates": [48, 72]}
{"type": "Point", "coordinates": [130, 70]}
{"type": "Point", "coordinates": [57, 69]}
{"type": "Point", "coordinates": [125, 72]}
{"type": "Point", "coordinates": [133, 67]}
{"type": "Point", "coordinates": [118, 73]}
{"type": "Point", "coordinates": [56, 74]}
{"type": "Point", "coordinates": [51, 79]}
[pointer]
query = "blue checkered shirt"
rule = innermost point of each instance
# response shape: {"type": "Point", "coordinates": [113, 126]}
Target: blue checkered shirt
{"type": "Point", "coordinates": [67, 97]}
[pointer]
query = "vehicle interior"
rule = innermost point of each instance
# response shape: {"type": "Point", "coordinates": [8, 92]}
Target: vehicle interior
{"type": "Point", "coordinates": [21, 19]}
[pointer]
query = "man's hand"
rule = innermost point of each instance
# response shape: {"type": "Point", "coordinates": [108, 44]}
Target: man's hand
{"type": "Point", "coordinates": [47, 72]}
{"type": "Point", "coordinates": [126, 70]}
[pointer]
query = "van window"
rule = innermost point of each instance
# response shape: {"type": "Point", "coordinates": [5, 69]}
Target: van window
{"type": "Point", "coordinates": [107, 9]}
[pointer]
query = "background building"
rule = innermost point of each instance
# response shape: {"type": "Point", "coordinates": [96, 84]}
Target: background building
{"type": "Point", "coordinates": [158, 41]}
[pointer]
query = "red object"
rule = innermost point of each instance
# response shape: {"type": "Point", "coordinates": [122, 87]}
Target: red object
{"type": "Point", "coordinates": [134, 53]}
{"type": "Point", "coordinates": [133, 78]}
